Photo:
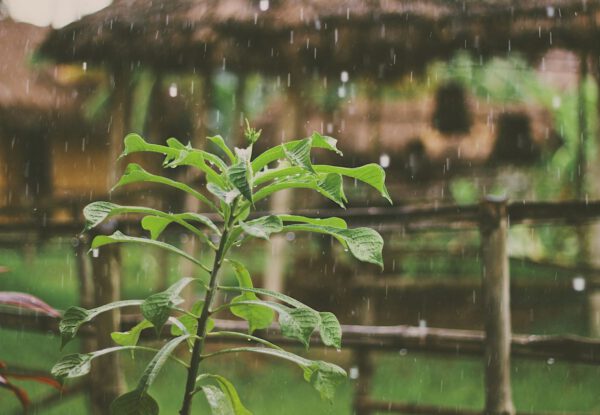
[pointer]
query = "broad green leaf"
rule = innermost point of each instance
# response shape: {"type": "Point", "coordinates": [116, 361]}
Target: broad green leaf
{"type": "Point", "coordinates": [190, 323]}
{"type": "Point", "coordinates": [365, 244]}
{"type": "Point", "coordinates": [298, 153]}
{"type": "Point", "coordinates": [219, 142]}
{"type": "Point", "coordinates": [131, 337]}
{"type": "Point", "coordinates": [157, 308]}
{"type": "Point", "coordinates": [134, 403]}
{"type": "Point", "coordinates": [258, 317]}
{"type": "Point", "coordinates": [79, 364]}
{"type": "Point", "coordinates": [323, 376]}
{"type": "Point", "coordinates": [262, 227]}
{"type": "Point", "coordinates": [75, 317]}
{"type": "Point", "coordinates": [155, 225]}
{"type": "Point", "coordinates": [295, 323]}
{"type": "Point", "coordinates": [330, 329]}
{"type": "Point", "coordinates": [176, 154]}
{"type": "Point", "coordinates": [72, 366]}
{"type": "Point", "coordinates": [240, 174]}
{"type": "Point", "coordinates": [328, 186]}
{"type": "Point", "coordinates": [226, 196]}
{"type": "Point", "coordinates": [157, 363]}
{"type": "Point", "coordinates": [137, 401]}
{"type": "Point", "coordinates": [218, 401]}
{"type": "Point", "coordinates": [332, 187]}
{"type": "Point", "coordinates": [134, 173]}
{"type": "Point", "coordinates": [317, 140]}
{"type": "Point", "coordinates": [119, 237]}
{"type": "Point", "coordinates": [229, 390]}
{"type": "Point", "coordinates": [97, 212]}
{"type": "Point", "coordinates": [333, 222]}
{"type": "Point", "coordinates": [277, 295]}
{"type": "Point", "coordinates": [371, 174]}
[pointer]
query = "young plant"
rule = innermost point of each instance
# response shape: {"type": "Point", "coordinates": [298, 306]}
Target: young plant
{"type": "Point", "coordinates": [234, 184]}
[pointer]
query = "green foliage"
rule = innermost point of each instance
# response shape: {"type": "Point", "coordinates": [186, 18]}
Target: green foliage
{"type": "Point", "coordinates": [233, 186]}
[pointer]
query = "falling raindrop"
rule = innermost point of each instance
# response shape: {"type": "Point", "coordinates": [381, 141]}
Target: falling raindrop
{"type": "Point", "coordinates": [95, 252]}
{"type": "Point", "coordinates": [342, 91]}
{"type": "Point", "coordinates": [579, 283]}
{"type": "Point", "coordinates": [173, 90]}
{"type": "Point", "coordinates": [263, 5]}
{"type": "Point", "coordinates": [384, 160]}
{"type": "Point", "coordinates": [344, 76]}
{"type": "Point", "coordinates": [353, 373]}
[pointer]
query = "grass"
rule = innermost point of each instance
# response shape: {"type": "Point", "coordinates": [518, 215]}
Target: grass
{"type": "Point", "coordinates": [272, 387]}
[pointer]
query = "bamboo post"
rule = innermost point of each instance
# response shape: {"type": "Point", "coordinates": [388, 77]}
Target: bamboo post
{"type": "Point", "coordinates": [496, 300]}
{"type": "Point", "coordinates": [106, 381]}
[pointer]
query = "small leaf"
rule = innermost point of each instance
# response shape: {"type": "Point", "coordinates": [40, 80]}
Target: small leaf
{"type": "Point", "coordinates": [218, 401]}
{"type": "Point", "coordinates": [324, 377]}
{"type": "Point", "coordinates": [371, 174]}
{"type": "Point", "coordinates": [332, 186]}
{"type": "Point", "coordinates": [134, 403]}
{"type": "Point", "coordinates": [262, 227]}
{"type": "Point", "coordinates": [229, 390]}
{"type": "Point", "coordinates": [240, 176]}
{"type": "Point", "coordinates": [258, 317]}
{"type": "Point", "coordinates": [219, 142]}
{"type": "Point", "coordinates": [226, 196]}
{"type": "Point", "coordinates": [119, 237]}
{"type": "Point", "coordinates": [157, 307]}
{"type": "Point", "coordinates": [131, 337]}
{"type": "Point", "coordinates": [155, 225]}
{"type": "Point", "coordinates": [365, 244]}
{"type": "Point", "coordinates": [333, 222]}
{"type": "Point", "coordinates": [72, 366]}
{"type": "Point", "coordinates": [298, 153]}
{"type": "Point", "coordinates": [75, 317]}
{"type": "Point", "coordinates": [134, 173]}
{"type": "Point", "coordinates": [330, 329]}
{"type": "Point", "coordinates": [298, 323]}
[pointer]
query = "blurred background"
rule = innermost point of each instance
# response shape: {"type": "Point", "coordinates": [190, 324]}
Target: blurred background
{"type": "Point", "coordinates": [455, 100]}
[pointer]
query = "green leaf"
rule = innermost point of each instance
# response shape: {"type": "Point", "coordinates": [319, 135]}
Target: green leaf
{"type": "Point", "coordinates": [298, 153]}
{"type": "Point", "coordinates": [218, 401]}
{"type": "Point", "coordinates": [119, 237]}
{"type": "Point", "coordinates": [97, 212]}
{"type": "Point", "coordinates": [323, 376]}
{"type": "Point", "coordinates": [219, 142]}
{"type": "Point", "coordinates": [365, 244]}
{"type": "Point", "coordinates": [328, 186]}
{"type": "Point", "coordinates": [317, 140]}
{"type": "Point", "coordinates": [332, 187]}
{"type": "Point", "coordinates": [258, 317]}
{"type": "Point", "coordinates": [229, 390]}
{"type": "Point", "coordinates": [131, 337]}
{"type": "Point", "coordinates": [134, 403]}
{"type": "Point", "coordinates": [157, 307]}
{"type": "Point", "coordinates": [190, 323]}
{"type": "Point", "coordinates": [330, 329]}
{"type": "Point", "coordinates": [328, 325]}
{"type": "Point", "coordinates": [138, 402]}
{"type": "Point", "coordinates": [75, 317]}
{"type": "Point", "coordinates": [134, 173]}
{"type": "Point", "coordinates": [295, 323]}
{"type": "Point", "coordinates": [176, 154]}
{"type": "Point", "coordinates": [226, 196]}
{"type": "Point", "coordinates": [371, 174]}
{"type": "Point", "coordinates": [262, 227]}
{"type": "Point", "coordinates": [240, 174]}
{"type": "Point", "coordinates": [333, 222]}
{"type": "Point", "coordinates": [72, 366]}
{"type": "Point", "coordinates": [155, 225]}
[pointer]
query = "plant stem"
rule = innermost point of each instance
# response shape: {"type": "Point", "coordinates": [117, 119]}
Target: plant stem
{"type": "Point", "coordinates": [203, 319]}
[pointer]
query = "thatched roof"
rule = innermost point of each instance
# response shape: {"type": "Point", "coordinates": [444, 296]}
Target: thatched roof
{"type": "Point", "coordinates": [384, 38]}
{"type": "Point", "coordinates": [27, 91]}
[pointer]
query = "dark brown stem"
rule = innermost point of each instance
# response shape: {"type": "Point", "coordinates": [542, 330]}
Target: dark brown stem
{"type": "Point", "coordinates": [203, 319]}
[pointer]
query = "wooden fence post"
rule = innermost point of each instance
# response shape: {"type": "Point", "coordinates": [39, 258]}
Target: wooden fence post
{"type": "Point", "coordinates": [496, 300]}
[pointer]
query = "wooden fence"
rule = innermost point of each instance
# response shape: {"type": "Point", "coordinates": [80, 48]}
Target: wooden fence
{"type": "Point", "coordinates": [495, 344]}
